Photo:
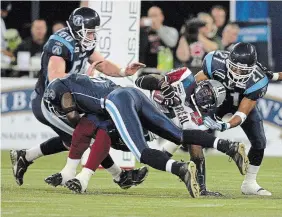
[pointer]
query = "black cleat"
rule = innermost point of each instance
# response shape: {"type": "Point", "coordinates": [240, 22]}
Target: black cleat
{"type": "Point", "coordinates": [207, 193]}
{"type": "Point", "coordinates": [187, 174]}
{"type": "Point", "coordinates": [74, 185]}
{"type": "Point", "coordinates": [238, 153]}
{"type": "Point", "coordinates": [19, 165]}
{"type": "Point", "coordinates": [129, 178]}
{"type": "Point", "coordinates": [54, 180]}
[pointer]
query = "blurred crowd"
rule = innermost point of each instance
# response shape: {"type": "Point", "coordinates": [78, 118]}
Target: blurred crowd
{"type": "Point", "coordinates": [15, 50]}
{"type": "Point", "coordinates": [161, 47]}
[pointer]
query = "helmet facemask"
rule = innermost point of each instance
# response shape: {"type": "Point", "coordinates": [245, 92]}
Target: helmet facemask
{"type": "Point", "coordinates": [205, 98]}
{"type": "Point", "coordinates": [209, 95]}
{"type": "Point", "coordinates": [88, 38]}
{"type": "Point", "coordinates": [239, 73]}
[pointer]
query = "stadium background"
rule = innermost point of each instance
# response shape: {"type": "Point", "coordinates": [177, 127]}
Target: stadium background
{"type": "Point", "coordinates": [20, 128]}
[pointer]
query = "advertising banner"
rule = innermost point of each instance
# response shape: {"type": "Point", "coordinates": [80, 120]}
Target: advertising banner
{"type": "Point", "coordinates": [118, 39]}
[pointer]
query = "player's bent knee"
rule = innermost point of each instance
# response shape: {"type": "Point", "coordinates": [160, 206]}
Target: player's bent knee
{"type": "Point", "coordinates": [84, 129]}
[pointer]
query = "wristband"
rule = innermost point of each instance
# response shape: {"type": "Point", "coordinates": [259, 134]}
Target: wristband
{"type": "Point", "coordinates": [275, 77]}
{"type": "Point", "coordinates": [122, 72]}
{"type": "Point", "coordinates": [228, 125]}
{"type": "Point", "coordinates": [242, 115]}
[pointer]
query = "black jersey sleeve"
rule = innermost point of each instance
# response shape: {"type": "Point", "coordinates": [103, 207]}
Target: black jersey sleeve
{"type": "Point", "coordinates": [257, 94]}
{"type": "Point", "coordinates": [257, 90]}
{"type": "Point", "coordinates": [59, 46]}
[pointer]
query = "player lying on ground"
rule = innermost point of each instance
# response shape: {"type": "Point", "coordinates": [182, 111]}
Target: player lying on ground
{"type": "Point", "coordinates": [245, 82]}
{"type": "Point", "coordinates": [130, 109]}
{"type": "Point", "coordinates": [67, 51]}
{"type": "Point", "coordinates": [186, 113]}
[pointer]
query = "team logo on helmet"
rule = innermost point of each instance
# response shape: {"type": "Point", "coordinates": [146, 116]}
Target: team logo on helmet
{"type": "Point", "coordinates": [77, 20]}
{"type": "Point", "coordinates": [50, 94]}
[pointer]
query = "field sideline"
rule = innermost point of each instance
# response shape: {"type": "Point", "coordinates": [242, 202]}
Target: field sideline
{"type": "Point", "coordinates": [160, 195]}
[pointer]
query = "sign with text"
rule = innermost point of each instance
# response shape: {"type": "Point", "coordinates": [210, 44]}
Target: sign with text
{"type": "Point", "coordinates": [118, 39]}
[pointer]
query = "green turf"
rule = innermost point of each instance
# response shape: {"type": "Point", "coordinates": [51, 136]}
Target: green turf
{"type": "Point", "coordinates": [160, 195]}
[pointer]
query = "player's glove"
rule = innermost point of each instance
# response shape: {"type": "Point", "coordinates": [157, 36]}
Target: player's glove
{"type": "Point", "coordinates": [170, 97]}
{"type": "Point", "coordinates": [215, 125]}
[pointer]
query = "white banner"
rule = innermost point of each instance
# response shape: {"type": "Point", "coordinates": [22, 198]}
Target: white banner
{"type": "Point", "coordinates": [118, 39]}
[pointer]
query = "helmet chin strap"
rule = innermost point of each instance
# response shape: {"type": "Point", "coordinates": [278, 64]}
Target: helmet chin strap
{"type": "Point", "coordinates": [71, 30]}
{"type": "Point", "coordinates": [194, 103]}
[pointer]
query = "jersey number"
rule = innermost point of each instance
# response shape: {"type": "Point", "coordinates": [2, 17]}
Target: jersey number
{"type": "Point", "coordinates": [257, 76]}
{"type": "Point", "coordinates": [79, 64]}
{"type": "Point", "coordinates": [220, 54]}
{"type": "Point", "coordinates": [66, 36]}
{"type": "Point", "coordinates": [235, 98]}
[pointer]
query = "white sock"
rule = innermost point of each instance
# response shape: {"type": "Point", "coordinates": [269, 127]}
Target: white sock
{"type": "Point", "coordinates": [170, 147]}
{"type": "Point", "coordinates": [115, 171]}
{"type": "Point", "coordinates": [215, 143]}
{"type": "Point", "coordinates": [33, 153]}
{"type": "Point", "coordinates": [85, 174]}
{"type": "Point", "coordinates": [71, 166]}
{"type": "Point", "coordinates": [169, 165]}
{"type": "Point", "coordinates": [252, 172]}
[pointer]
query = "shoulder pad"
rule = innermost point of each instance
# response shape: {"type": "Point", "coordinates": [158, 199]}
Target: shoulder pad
{"type": "Point", "coordinates": [207, 64]}
{"type": "Point", "coordinates": [258, 85]}
{"type": "Point", "coordinates": [61, 46]}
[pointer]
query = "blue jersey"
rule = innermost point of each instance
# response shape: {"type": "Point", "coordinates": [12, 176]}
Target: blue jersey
{"type": "Point", "coordinates": [62, 44]}
{"type": "Point", "coordinates": [87, 92]}
{"type": "Point", "coordinates": [214, 67]}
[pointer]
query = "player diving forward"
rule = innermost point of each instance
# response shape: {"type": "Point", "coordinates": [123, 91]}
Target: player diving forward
{"type": "Point", "coordinates": [131, 110]}
{"type": "Point", "coordinates": [186, 112]}
{"type": "Point", "coordinates": [67, 52]}
{"type": "Point", "coordinates": [245, 81]}
{"type": "Point", "coordinates": [210, 95]}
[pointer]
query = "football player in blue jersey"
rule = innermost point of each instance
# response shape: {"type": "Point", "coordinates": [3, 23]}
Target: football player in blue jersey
{"type": "Point", "coordinates": [245, 81]}
{"type": "Point", "coordinates": [131, 110]}
{"type": "Point", "coordinates": [66, 52]}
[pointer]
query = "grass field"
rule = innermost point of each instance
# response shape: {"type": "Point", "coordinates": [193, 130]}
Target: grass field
{"type": "Point", "coordinates": [160, 195]}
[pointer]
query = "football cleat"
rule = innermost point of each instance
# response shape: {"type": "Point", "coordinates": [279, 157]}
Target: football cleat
{"type": "Point", "coordinates": [188, 174]}
{"type": "Point", "coordinates": [129, 178]}
{"type": "Point", "coordinates": [252, 188]}
{"type": "Point", "coordinates": [208, 193]}
{"type": "Point", "coordinates": [54, 180]}
{"type": "Point", "coordinates": [75, 185]}
{"type": "Point", "coordinates": [238, 153]}
{"type": "Point", "coordinates": [19, 165]}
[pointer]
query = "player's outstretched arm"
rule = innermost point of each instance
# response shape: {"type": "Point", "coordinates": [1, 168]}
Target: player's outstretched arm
{"type": "Point", "coordinates": [56, 68]}
{"type": "Point", "coordinates": [109, 68]}
{"type": "Point", "coordinates": [274, 76]}
{"type": "Point", "coordinates": [245, 107]}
